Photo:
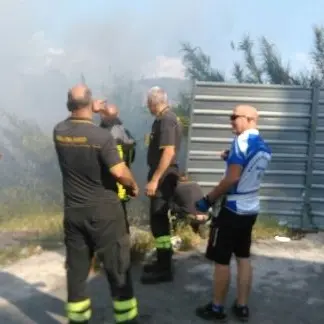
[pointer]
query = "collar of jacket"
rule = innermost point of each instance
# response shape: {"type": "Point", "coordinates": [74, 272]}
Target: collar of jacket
{"type": "Point", "coordinates": [162, 112]}
{"type": "Point", "coordinates": [108, 123]}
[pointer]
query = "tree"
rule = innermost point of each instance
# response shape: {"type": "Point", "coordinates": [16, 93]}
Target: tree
{"type": "Point", "coordinates": [182, 110]}
{"type": "Point", "coordinates": [31, 181]}
{"type": "Point", "coordinates": [265, 68]}
{"type": "Point", "coordinates": [269, 68]}
{"type": "Point", "coordinates": [198, 66]}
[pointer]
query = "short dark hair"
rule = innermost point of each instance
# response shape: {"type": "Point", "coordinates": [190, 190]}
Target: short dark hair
{"type": "Point", "coordinates": [80, 102]}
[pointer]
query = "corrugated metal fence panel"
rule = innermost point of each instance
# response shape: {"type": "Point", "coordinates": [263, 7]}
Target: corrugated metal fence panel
{"type": "Point", "coordinates": [317, 192]}
{"type": "Point", "coordinates": [284, 123]}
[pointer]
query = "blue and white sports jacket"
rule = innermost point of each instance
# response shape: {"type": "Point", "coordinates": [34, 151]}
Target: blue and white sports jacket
{"type": "Point", "coordinates": [251, 152]}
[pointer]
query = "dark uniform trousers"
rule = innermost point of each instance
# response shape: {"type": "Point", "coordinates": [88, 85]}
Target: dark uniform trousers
{"type": "Point", "coordinates": [101, 230]}
{"type": "Point", "coordinates": [124, 205]}
{"type": "Point", "coordinates": [159, 221]}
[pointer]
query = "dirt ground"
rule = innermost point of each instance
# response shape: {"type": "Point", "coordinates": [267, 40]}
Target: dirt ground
{"type": "Point", "coordinates": [288, 288]}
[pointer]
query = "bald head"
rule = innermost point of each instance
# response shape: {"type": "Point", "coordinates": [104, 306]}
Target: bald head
{"type": "Point", "coordinates": [79, 97]}
{"type": "Point", "coordinates": [247, 111]}
{"type": "Point", "coordinates": [79, 91]}
{"type": "Point", "coordinates": [244, 117]}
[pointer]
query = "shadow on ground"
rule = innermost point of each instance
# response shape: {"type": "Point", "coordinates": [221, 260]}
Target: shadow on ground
{"type": "Point", "coordinates": [36, 309]}
{"type": "Point", "coordinates": [286, 290]}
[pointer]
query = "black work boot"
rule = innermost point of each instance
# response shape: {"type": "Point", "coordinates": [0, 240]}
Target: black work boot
{"type": "Point", "coordinates": [150, 267]}
{"type": "Point", "coordinates": [161, 271]}
{"type": "Point", "coordinates": [154, 265]}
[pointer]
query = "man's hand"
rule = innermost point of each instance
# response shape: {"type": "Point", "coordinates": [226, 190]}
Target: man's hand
{"type": "Point", "coordinates": [98, 105]}
{"type": "Point", "coordinates": [133, 192]}
{"type": "Point", "coordinates": [224, 155]}
{"type": "Point", "coordinates": [203, 204]}
{"type": "Point", "coordinates": [150, 188]}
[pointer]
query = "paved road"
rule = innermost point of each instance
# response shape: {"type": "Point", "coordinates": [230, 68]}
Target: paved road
{"type": "Point", "coordinates": [288, 288]}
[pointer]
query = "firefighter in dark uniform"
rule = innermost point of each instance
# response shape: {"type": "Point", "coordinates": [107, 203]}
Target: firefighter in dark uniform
{"type": "Point", "coordinates": [183, 204]}
{"type": "Point", "coordinates": [94, 219]}
{"type": "Point", "coordinates": [164, 145]}
{"type": "Point", "coordinates": [126, 144]}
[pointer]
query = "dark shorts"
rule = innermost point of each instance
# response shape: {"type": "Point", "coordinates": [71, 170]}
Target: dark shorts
{"type": "Point", "coordinates": [230, 233]}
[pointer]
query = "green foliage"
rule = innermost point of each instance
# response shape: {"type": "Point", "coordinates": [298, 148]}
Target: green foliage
{"type": "Point", "coordinates": [266, 66]}
{"type": "Point", "coordinates": [182, 109]}
{"type": "Point", "coordinates": [198, 66]}
{"type": "Point", "coordinates": [32, 180]}
{"type": "Point", "coordinates": [317, 53]}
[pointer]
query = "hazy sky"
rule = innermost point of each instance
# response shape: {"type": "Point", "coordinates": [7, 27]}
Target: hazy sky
{"type": "Point", "coordinates": [47, 44]}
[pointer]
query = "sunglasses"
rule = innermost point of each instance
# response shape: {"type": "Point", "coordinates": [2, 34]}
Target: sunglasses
{"type": "Point", "coordinates": [234, 117]}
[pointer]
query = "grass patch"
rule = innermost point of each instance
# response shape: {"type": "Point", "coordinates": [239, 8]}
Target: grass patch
{"type": "Point", "coordinates": [264, 228]}
{"type": "Point", "coordinates": [32, 233]}
{"type": "Point", "coordinates": [28, 234]}
{"type": "Point", "coordinates": [267, 227]}
{"type": "Point", "coordinates": [42, 224]}
{"type": "Point", "coordinates": [142, 242]}
{"type": "Point", "coordinates": [189, 239]}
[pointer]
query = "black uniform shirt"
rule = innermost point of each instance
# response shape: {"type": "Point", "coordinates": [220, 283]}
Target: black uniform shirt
{"type": "Point", "coordinates": [122, 137]}
{"type": "Point", "coordinates": [166, 131]}
{"type": "Point", "coordinates": [85, 153]}
{"type": "Point", "coordinates": [118, 131]}
{"type": "Point", "coordinates": [185, 197]}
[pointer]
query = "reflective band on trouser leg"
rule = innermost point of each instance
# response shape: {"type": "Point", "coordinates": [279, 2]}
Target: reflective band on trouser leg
{"type": "Point", "coordinates": [121, 190]}
{"type": "Point", "coordinates": [79, 312]}
{"type": "Point", "coordinates": [163, 242]}
{"type": "Point", "coordinates": [125, 310]}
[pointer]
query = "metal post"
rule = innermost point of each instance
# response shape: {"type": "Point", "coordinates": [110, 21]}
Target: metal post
{"type": "Point", "coordinates": [306, 219]}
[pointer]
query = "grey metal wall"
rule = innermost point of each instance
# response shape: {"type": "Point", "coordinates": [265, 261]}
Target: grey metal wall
{"type": "Point", "coordinates": [317, 176]}
{"type": "Point", "coordinates": [291, 120]}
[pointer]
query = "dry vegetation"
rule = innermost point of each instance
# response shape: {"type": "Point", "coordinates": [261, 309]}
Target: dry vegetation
{"type": "Point", "coordinates": [268, 227]}
{"type": "Point", "coordinates": [33, 233]}
{"type": "Point", "coordinates": [23, 236]}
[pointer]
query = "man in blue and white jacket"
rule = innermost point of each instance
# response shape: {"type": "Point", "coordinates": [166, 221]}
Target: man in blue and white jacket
{"type": "Point", "coordinates": [246, 163]}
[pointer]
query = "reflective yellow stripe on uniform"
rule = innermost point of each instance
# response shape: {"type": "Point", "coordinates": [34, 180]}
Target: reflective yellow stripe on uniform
{"type": "Point", "coordinates": [163, 242]}
{"type": "Point", "coordinates": [125, 310]}
{"type": "Point", "coordinates": [121, 190]}
{"type": "Point", "coordinates": [79, 311]}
